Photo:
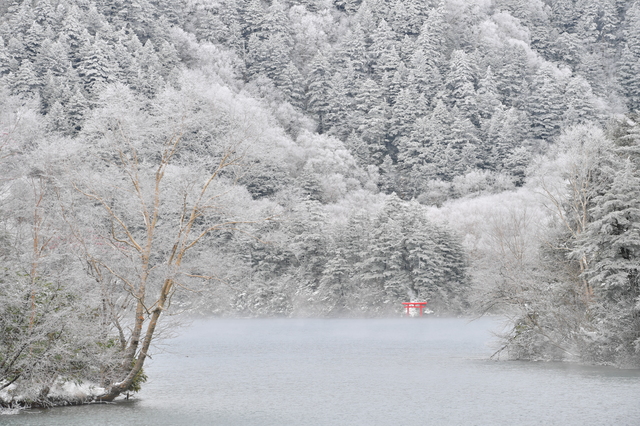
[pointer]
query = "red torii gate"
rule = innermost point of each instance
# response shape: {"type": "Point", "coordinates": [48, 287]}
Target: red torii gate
{"type": "Point", "coordinates": [414, 305]}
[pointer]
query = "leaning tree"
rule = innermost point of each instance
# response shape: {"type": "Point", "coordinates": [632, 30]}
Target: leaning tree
{"type": "Point", "coordinates": [155, 183]}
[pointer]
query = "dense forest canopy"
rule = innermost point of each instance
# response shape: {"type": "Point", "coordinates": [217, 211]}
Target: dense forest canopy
{"type": "Point", "coordinates": [313, 158]}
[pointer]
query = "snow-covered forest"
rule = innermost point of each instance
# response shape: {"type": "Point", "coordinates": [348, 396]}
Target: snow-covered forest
{"type": "Point", "coordinates": [313, 158]}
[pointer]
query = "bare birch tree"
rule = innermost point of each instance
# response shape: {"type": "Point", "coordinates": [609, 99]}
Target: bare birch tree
{"type": "Point", "coordinates": [160, 188]}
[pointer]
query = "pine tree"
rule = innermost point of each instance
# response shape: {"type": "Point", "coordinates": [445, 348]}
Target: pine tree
{"type": "Point", "coordinates": [76, 109]}
{"type": "Point", "coordinates": [587, 24]}
{"type": "Point", "coordinates": [564, 14]}
{"type": "Point", "coordinates": [632, 30]}
{"type": "Point", "coordinates": [612, 244]}
{"type": "Point", "coordinates": [253, 14]}
{"type": "Point", "coordinates": [511, 77]}
{"type": "Point", "coordinates": [309, 241]}
{"type": "Point", "coordinates": [629, 67]}
{"type": "Point", "coordinates": [399, 81]}
{"type": "Point", "coordinates": [373, 119]}
{"type": "Point", "coordinates": [404, 18]}
{"type": "Point", "coordinates": [592, 67]}
{"type": "Point", "coordinates": [608, 21]}
{"type": "Point", "coordinates": [383, 270]}
{"type": "Point", "coordinates": [267, 56]}
{"type": "Point", "coordinates": [505, 132]}
{"type": "Point", "coordinates": [32, 40]}
{"type": "Point", "coordinates": [348, 6]}
{"type": "Point", "coordinates": [464, 142]}
{"type": "Point", "coordinates": [352, 49]}
{"type": "Point", "coordinates": [16, 53]}
{"type": "Point", "coordinates": [149, 79]}
{"type": "Point", "coordinates": [403, 114]}
{"type": "Point", "coordinates": [580, 102]}
{"type": "Point", "coordinates": [382, 54]}
{"type": "Point", "coordinates": [335, 282]}
{"type": "Point", "coordinates": [318, 89]}
{"type": "Point", "coordinates": [424, 75]}
{"type": "Point", "coordinates": [231, 34]}
{"type": "Point", "coordinates": [95, 68]}
{"type": "Point", "coordinates": [44, 11]}
{"type": "Point", "coordinates": [340, 112]}
{"type": "Point", "coordinates": [53, 57]}
{"type": "Point", "coordinates": [57, 119]}
{"type": "Point", "coordinates": [291, 83]}
{"type": "Point", "coordinates": [432, 39]}
{"type": "Point", "coordinates": [25, 81]}
{"type": "Point", "coordinates": [4, 58]}
{"type": "Point", "coordinates": [460, 84]}
{"type": "Point", "coordinates": [427, 152]}
{"type": "Point", "coordinates": [488, 99]}
{"type": "Point", "coordinates": [545, 104]}
{"type": "Point", "coordinates": [75, 34]}
{"type": "Point", "coordinates": [629, 77]}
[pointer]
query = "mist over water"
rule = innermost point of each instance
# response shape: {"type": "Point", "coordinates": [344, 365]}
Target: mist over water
{"type": "Point", "coordinates": [342, 372]}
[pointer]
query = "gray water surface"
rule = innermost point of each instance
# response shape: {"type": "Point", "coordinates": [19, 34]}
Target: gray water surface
{"type": "Point", "coordinates": [426, 371]}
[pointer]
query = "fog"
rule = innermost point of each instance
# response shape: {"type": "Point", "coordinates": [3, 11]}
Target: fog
{"type": "Point", "coordinates": [428, 370]}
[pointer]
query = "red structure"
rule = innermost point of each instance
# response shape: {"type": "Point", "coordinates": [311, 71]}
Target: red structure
{"type": "Point", "coordinates": [414, 305]}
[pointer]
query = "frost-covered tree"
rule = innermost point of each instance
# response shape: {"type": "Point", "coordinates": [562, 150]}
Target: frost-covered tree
{"type": "Point", "coordinates": [545, 104]}
{"type": "Point", "coordinates": [611, 243]}
{"type": "Point", "coordinates": [154, 202]}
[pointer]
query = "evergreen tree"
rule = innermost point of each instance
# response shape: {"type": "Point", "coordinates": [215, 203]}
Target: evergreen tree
{"type": "Point", "coordinates": [149, 79]}
{"type": "Point", "coordinates": [5, 66]}
{"type": "Point", "coordinates": [53, 57]}
{"type": "Point", "coordinates": [564, 14]}
{"type": "Point", "coordinates": [382, 54]}
{"type": "Point", "coordinates": [253, 17]}
{"type": "Point", "coordinates": [580, 102]}
{"type": "Point", "coordinates": [348, 6]}
{"type": "Point", "coordinates": [464, 142]}
{"type": "Point", "coordinates": [231, 32]}
{"type": "Point", "coordinates": [16, 53]}
{"type": "Point", "coordinates": [404, 18]}
{"type": "Point", "coordinates": [32, 41]}
{"type": "Point", "coordinates": [57, 119]}
{"type": "Point", "coordinates": [268, 56]}
{"type": "Point", "coordinates": [432, 39]}
{"type": "Point", "coordinates": [511, 76]}
{"type": "Point", "coordinates": [340, 112]}
{"type": "Point", "coordinates": [424, 74]}
{"type": "Point", "coordinates": [587, 25]}
{"type": "Point", "coordinates": [335, 284]}
{"type": "Point", "coordinates": [76, 109]}
{"type": "Point", "coordinates": [309, 242]}
{"type": "Point", "coordinates": [545, 104]}
{"type": "Point", "coordinates": [628, 72]}
{"type": "Point", "coordinates": [372, 125]}
{"type": "Point", "coordinates": [460, 84]}
{"type": "Point", "coordinates": [75, 34]}
{"type": "Point", "coordinates": [608, 21]}
{"type": "Point", "coordinates": [403, 114]}
{"type": "Point", "coordinates": [95, 68]}
{"type": "Point", "coordinates": [352, 49]}
{"type": "Point", "coordinates": [398, 82]}
{"type": "Point", "coordinates": [612, 244]}
{"type": "Point", "coordinates": [318, 89]}
{"type": "Point", "coordinates": [505, 132]}
{"type": "Point", "coordinates": [592, 67]}
{"type": "Point", "coordinates": [488, 100]}
{"type": "Point", "coordinates": [291, 83]}
{"type": "Point", "coordinates": [25, 81]}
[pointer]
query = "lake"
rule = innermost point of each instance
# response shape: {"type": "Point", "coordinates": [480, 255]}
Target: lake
{"type": "Point", "coordinates": [426, 371]}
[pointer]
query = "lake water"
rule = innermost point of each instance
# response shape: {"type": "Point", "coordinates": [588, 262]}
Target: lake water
{"type": "Point", "coordinates": [423, 371]}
